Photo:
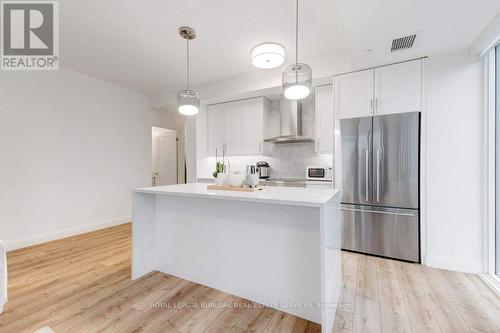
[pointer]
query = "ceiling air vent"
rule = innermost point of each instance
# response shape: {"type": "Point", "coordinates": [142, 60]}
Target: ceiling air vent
{"type": "Point", "coordinates": [402, 43]}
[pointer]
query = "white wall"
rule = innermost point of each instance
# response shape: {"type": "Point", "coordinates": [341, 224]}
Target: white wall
{"type": "Point", "coordinates": [456, 163]}
{"type": "Point", "coordinates": [72, 148]}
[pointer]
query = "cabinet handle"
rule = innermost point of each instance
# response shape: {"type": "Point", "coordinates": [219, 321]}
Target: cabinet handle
{"type": "Point", "coordinates": [376, 104]}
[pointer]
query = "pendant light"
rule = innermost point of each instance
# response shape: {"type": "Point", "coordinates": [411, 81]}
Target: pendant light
{"type": "Point", "coordinates": [188, 101]}
{"type": "Point", "coordinates": [297, 77]}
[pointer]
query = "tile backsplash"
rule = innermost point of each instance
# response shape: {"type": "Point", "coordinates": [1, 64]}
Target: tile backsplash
{"type": "Point", "coordinates": [287, 160]}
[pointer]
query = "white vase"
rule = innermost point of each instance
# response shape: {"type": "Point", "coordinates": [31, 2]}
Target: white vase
{"type": "Point", "coordinates": [220, 179]}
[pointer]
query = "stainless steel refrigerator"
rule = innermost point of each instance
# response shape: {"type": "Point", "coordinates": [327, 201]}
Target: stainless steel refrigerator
{"type": "Point", "coordinates": [380, 185]}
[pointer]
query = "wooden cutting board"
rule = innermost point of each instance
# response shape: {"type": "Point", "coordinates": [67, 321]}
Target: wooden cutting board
{"type": "Point", "coordinates": [235, 189]}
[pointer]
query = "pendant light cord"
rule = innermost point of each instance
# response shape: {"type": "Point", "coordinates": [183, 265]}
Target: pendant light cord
{"type": "Point", "coordinates": [187, 62]}
{"type": "Point", "coordinates": [297, 33]}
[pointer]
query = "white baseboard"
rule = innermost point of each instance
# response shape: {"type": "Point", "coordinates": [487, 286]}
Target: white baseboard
{"type": "Point", "coordinates": [18, 243]}
{"type": "Point", "coordinates": [452, 264]}
{"type": "Point", "coordinates": [492, 281]}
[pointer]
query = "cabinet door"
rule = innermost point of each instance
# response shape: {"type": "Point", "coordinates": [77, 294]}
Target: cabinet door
{"type": "Point", "coordinates": [216, 128]}
{"type": "Point", "coordinates": [354, 94]}
{"type": "Point", "coordinates": [323, 119]}
{"type": "Point", "coordinates": [234, 127]}
{"type": "Point", "coordinates": [398, 88]}
{"type": "Point", "coordinates": [253, 126]}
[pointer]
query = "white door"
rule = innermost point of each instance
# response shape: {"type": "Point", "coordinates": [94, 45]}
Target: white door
{"type": "Point", "coordinates": [167, 158]}
{"type": "Point", "coordinates": [323, 119]}
{"type": "Point", "coordinates": [354, 94]}
{"type": "Point", "coordinates": [398, 88]}
{"type": "Point", "coordinates": [216, 127]}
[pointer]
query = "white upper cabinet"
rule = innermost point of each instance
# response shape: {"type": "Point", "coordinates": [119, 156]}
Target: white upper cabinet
{"type": "Point", "coordinates": [216, 128]}
{"type": "Point", "coordinates": [354, 94]}
{"type": "Point", "coordinates": [234, 142]}
{"type": "Point", "coordinates": [398, 88]}
{"type": "Point", "coordinates": [254, 120]}
{"type": "Point", "coordinates": [237, 127]}
{"type": "Point", "coordinates": [384, 90]}
{"type": "Point", "coordinates": [323, 119]}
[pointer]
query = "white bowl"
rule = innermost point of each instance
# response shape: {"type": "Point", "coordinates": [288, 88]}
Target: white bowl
{"type": "Point", "coordinates": [236, 180]}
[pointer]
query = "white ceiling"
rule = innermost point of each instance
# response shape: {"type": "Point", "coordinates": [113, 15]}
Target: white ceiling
{"type": "Point", "coordinates": [136, 44]}
{"type": "Point", "coordinates": [441, 26]}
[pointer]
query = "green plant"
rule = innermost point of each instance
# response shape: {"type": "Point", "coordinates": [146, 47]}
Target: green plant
{"type": "Point", "coordinates": [219, 168]}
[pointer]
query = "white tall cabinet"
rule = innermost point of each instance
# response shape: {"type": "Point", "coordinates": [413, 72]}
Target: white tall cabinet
{"type": "Point", "coordinates": [323, 119]}
{"type": "Point", "coordinates": [388, 89]}
{"type": "Point", "coordinates": [237, 127]}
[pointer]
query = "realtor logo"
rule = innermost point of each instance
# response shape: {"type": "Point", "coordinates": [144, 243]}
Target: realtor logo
{"type": "Point", "coordinates": [30, 35]}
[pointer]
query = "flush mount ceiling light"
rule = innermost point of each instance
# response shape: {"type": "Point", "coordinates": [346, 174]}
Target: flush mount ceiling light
{"type": "Point", "coordinates": [268, 55]}
{"type": "Point", "coordinates": [297, 77]}
{"type": "Point", "coordinates": [188, 101]}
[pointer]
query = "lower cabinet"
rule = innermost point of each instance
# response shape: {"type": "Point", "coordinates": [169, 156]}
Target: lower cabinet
{"type": "Point", "coordinates": [237, 127]}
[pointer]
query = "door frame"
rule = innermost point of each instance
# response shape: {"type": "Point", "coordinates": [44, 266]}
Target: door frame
{"type": "Point", "coordinates": [159, 129]}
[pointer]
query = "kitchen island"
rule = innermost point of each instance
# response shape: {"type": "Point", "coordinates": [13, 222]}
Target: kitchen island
{"type": "Point", "coordinates": [279, 246]}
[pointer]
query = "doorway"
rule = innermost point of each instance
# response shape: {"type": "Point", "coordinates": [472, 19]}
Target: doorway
{"type": "Point", "coordinates": [164, 156]}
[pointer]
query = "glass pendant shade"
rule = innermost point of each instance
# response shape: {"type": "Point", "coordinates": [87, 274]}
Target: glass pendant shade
{"type": "Point", "coordinates": [297, 79]}
{"type": "Point", "coordinates": [188, 102]}
{"type": "Point", "coordinates": [268, 55]}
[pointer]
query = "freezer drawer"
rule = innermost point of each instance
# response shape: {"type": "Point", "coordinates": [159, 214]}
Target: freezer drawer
{"type": "Point", "coordinates": [387, 232]}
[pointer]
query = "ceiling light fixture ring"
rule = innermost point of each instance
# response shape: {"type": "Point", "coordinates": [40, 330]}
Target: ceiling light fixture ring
{"type": "Point", "coordinates": [187, 32]}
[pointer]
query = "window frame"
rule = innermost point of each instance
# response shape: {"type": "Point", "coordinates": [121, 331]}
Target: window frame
{"type": "Point", "coordinates": [492, 106]}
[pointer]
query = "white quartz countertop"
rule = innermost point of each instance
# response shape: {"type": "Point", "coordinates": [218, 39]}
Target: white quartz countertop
{"type": "Point", "coordinates": [297, 196]}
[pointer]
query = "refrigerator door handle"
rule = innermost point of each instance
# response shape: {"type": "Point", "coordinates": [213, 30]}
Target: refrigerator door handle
{"type": "Point", "coordinates": [378, 212]}
{"type": "Point", "coordinates": [366, 175]}
{"type": "Point", "coordinates": [378, 175]}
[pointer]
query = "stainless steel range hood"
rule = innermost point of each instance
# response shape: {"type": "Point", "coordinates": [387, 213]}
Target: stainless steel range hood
{"type": "Point", "coordinates": [290, 123]}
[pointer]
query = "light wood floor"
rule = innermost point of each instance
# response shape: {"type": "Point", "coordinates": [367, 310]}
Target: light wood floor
{"type": "Point", "coordinates": [82, 284]}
